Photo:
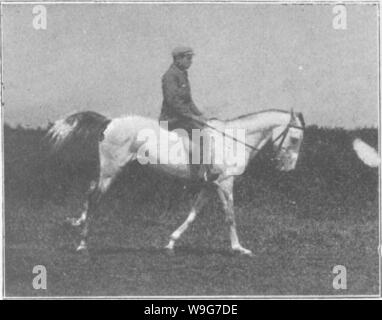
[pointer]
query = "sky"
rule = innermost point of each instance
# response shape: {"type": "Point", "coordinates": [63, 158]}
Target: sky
{"type": "Point", "coordinates": [110, 58]}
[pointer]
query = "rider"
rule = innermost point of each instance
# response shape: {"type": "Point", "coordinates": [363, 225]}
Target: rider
{"type": "Point", "coordinates": [178, 108]}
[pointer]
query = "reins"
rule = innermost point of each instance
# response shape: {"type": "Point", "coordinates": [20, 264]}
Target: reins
{"type": "Point", "coordinates": [282, 135]}
{"type": "Point", "coordinates": [231, 137]}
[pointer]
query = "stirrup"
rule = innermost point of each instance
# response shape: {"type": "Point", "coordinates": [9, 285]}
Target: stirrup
{"type": "Point", "coordinates": [210, 177]}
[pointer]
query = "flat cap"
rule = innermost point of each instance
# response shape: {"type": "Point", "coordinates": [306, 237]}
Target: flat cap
{"type": "Point", "coordinates": [182, 51]}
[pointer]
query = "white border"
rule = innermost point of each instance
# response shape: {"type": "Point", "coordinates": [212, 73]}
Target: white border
{"type": "Point", "coordinates": [229, 297]}
{"type": "Point", "coordinates": [217, 2]}
{"type": "Point", "coordinates": [2, 220]}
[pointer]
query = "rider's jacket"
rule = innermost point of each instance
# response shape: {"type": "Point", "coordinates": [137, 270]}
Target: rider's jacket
{"type": "Point", "coordinates": [177, 106]}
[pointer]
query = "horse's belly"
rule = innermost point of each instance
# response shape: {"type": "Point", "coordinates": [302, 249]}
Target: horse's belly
{"type": "Point", "coordinates": [178, 170]}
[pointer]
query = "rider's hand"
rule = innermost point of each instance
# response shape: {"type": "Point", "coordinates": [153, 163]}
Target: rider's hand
{"type": "Point", "coordinates": [203, 119]}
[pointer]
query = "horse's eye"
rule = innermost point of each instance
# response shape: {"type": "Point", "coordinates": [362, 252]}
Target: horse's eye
{"type": "Point", "coordinates": [293, 140]}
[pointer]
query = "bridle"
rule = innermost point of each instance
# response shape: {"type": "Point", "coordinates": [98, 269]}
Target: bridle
{"type": "Point", "coordinates": [281, 136]}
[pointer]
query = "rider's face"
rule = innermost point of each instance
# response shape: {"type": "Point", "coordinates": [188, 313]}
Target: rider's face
{"type": "Point", "coordinates": [184, 62]}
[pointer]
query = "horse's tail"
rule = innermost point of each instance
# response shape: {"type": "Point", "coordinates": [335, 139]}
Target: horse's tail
{"type": "Point", "coordinates": [366, 153]}
{"type": "Point", "coordinates": [85, 126]}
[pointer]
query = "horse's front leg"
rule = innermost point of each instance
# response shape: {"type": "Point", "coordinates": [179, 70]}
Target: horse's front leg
{"type": "Point", "coordinates": [76, 222]}
{"type": "Point", "coordinates": [196, 208]}
{"type": "Point", "coordinates": [225, 191]}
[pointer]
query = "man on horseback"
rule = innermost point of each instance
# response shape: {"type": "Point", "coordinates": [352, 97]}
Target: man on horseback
{"type": "Point", "coordinates": [178, 107]}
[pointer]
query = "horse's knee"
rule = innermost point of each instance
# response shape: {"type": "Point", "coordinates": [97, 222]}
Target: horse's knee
{"type": "Point", "coordinates": [230, 219]}
{"type": "Point", "coordinates": [103, 184]}
{"type": "Point", "coordinates": [92, 187]}
{"type": "Point", "coordinates": [94, 196]}
{"type": "Point", "coordinates": [106, 179]}
{"type": "Point", "coordinates": [191, 216]}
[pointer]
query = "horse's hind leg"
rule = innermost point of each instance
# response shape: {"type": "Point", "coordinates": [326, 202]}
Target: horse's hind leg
{"type": "Point", "coordinates": [93, 197]}
{"type": "Point", "coordinates": [111, 161]}
{"type": "Point", "coordinates": [76, 222]}
{"type": "Point", "coordinates": [96, 191]}
{"type": "Point", "coordinates": [199, 203]}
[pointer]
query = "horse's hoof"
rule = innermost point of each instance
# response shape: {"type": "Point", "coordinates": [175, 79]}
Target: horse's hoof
{"type": "Point", "coordinates": [170, 252]}
{"type": "Point", "coordinates": [73, 222]}
{"type": "Point", "coordinates": [249, 254]}
{"type": "Point", "coordinates": [244, 252]}
{"type": "Point", "coordinates": [81, 247]}
{"type": "Point", "coordinates": [170, 249]}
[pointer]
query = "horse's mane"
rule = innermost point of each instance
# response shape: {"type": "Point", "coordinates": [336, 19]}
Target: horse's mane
{"type": "Point", "coordinates": [298, 114]}
{"type": "Point", "coordinates": [256, 113]}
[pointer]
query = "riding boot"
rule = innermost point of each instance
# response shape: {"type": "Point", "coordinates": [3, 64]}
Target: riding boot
{"type": "Point", "coordinates": [208, 173]}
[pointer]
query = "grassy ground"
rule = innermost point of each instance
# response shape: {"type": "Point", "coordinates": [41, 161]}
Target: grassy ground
{"type": "Point", "coordinates": [298, 225]}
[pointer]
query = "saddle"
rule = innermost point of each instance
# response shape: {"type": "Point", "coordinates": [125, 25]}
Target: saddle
{"type": "Point", "coordinates": [199, 171]}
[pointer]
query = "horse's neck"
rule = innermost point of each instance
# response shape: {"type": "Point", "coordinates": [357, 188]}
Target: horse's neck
{"type": "Point", "coordinates": [259, 128]}
{"type": "Point", "coordinates": [263, 121]}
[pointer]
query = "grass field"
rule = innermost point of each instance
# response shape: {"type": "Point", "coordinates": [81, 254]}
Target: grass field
{"type": "Point", "coordinates": [299, 225]}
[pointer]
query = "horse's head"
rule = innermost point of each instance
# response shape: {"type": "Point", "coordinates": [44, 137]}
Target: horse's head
{"type": "Point", "coordinates": [287, 142]}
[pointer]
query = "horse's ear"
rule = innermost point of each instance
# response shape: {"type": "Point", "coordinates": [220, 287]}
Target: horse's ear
{"type": "Point", "coordinates": [292, 113]}
{"type": "Point", "coordinates": [301, 118]}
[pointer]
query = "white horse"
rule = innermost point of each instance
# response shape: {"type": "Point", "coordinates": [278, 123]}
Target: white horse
{"type": "Point", "coordinates": [119, 144]}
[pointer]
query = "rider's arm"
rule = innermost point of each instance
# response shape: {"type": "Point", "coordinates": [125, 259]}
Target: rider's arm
{"type": "Point", "coordinates": [195, 109]}
{"type": "Point", "coordinates": [199, 118]}
{"type": "Point", "coordinates": [179, 100]}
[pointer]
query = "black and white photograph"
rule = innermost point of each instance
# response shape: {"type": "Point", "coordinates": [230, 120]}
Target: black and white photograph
{"type": "Point", "coordinates": [171, 150]}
